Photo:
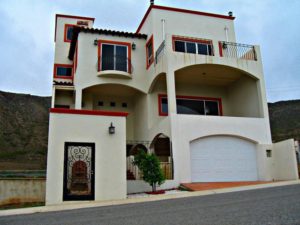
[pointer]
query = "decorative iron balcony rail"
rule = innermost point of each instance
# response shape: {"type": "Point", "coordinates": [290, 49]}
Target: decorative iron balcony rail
{"type": "Point", "coordinates": [116, 62]}
{"type": "Point", "coordinates": [159, 51]}
{"type": "Point", "coordinates": [236, 50]}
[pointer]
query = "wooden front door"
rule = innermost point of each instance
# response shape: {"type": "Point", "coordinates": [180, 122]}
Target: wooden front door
{"type": "Point", "coordinates": [79, 171]}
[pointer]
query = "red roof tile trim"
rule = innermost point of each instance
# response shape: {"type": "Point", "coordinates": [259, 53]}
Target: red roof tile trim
{"type": "Point", "coordinates": [183, 11]}
{"type": "Point", "coordinates": [87, 112]}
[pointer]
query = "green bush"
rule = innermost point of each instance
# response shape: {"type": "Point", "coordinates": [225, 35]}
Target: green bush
{"type": "Point", "coordinates": [150, 167]}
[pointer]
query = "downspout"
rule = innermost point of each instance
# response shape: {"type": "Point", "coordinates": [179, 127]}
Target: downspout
{"type": "Point", "coordinates": [163, 29]}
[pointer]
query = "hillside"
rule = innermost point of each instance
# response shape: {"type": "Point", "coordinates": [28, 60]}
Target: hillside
{"type": "Point", "coordinates": [24, 131]}
{"type": "Point", "coordinates": [285, 120]}
{"type": "Point", "coordinates": [24, 123]}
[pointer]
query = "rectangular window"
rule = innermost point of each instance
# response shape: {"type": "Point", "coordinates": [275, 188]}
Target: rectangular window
{"type": "Point", "coordinates": [194, 46]}
{"type": "Point", "coordinates": [269, 153]}
{"type": "Point", "coordinates": [149, 52]}
{"type": "Point", "coordinates": [114, 56]}
{"type": "Point", "coordinates": [63, 71]}
{"type": "Point", "coordinates": [68, 33]}
{"type": "Point", "coordinates": [192, 105]}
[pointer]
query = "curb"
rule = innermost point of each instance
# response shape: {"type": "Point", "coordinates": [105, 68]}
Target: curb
{"type": "Point", "coordinates": [92, 204]}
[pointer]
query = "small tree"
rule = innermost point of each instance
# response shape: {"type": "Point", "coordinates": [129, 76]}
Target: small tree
{"type": "Point", "coordinates": [150, 167]}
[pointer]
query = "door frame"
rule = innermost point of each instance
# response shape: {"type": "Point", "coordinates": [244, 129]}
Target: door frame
{"type": "Point", "coordinates": [66, 196]}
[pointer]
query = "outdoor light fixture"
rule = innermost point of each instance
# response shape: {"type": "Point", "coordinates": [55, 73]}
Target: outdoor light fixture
{"type": "Point", "coordinates": [111, 129]}
{"type": "Point", "coordinates": [230, 13]}
{"type": "Point", "coordinates": [151, 2]}
{"type": "Point", "coordinates": [96, 42]}
{"type": "Point", "coordinates": [133, 45]}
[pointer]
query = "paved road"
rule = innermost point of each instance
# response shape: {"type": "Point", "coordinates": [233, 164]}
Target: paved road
{"type": "Point", "coordinates": [279, 205]}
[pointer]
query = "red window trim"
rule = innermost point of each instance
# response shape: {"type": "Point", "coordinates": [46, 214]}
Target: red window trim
{"type": "Point", "coordinates": [87, 112]}
{"type": "Point", "coordinates": [152, 59]}
{"type": "Point", "coordinates": [66, 66]}
{"type": "Point", "coordinates": [220, 49]}
{"type": "Point", "coordinates": [194, 40]}
{"type": "Point", "coordinates": [65, 31]}
{"type": "Point", "coordinates": [100, 42]}
{"type": "Point", "coordinates": [160, 112]}
{"type": "Point", "coordinates": [160, 96]}
{"type": "Point", "coordinates": [180, 10]}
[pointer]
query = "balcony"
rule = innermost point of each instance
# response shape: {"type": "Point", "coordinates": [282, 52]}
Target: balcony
{"type": "Point", "coordinates": [185, 51]}
{"type": "Point", "coordinates": [114, 66]}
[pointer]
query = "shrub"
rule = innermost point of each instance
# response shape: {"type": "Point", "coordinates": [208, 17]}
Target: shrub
{"type": "Point", "coordinates": [150, 167]}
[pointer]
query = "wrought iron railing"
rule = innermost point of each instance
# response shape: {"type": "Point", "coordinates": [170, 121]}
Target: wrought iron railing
{"type": "Point", "coordinates": [159, 51]}
{"type": "Point", "coordinates": [116, 62]}
{"type": "Point", "coordinates": [236, 50]}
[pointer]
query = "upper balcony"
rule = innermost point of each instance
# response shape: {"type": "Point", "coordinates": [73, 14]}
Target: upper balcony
{"type": "Point", "coordinates": [185, 51]}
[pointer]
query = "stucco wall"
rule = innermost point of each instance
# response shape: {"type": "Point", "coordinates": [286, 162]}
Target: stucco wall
{"type": "Point", "coordinates": [110, 153]}
{"type": "Point", "coordinates": [15, 191]}
{"type": "Point", "coordinates": [285, 162]}
{"type": "Point", "coordinates": [243, 98]}
{"type": "Point", "coordinates": [61, 47]}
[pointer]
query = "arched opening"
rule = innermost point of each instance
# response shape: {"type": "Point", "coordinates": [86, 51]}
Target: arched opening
{"type": "Point", "coordinates": [161, 146]}
{"type": "Point", "coordinates": [79, 180]}
{"type": "Point", "coordinates": [217, 90]}
{"type": "Point", "coordinates": [116, 98]}
{"type": "Point", "coordinates": [135, 149]}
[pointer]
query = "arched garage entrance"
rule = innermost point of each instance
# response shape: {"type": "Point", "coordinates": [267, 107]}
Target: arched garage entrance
{"type": "Point", "coordinates": [223, 158]}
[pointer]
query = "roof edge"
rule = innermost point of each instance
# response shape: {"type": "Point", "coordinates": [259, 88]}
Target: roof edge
{"type": "Point", "coordinates": [183, 11]}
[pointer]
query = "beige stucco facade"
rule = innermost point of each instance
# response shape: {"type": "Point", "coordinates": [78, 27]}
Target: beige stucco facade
{"type": "Point", "coordinates": [237, 81]}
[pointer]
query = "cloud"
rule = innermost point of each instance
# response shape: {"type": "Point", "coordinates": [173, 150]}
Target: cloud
{"type": "Point", "coordinates": [27, 47]}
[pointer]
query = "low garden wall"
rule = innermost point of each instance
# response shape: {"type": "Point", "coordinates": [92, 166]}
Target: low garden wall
{"type": "Point", "coordinates": [18, 190]}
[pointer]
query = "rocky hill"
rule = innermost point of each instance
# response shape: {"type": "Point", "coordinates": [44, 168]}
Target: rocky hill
{"type": "Point", "coordinates": [23, 131]}
{"type": "Point", "coordinates": [24, 123]}
{"type": "Point", "coordinates": [285, 120]}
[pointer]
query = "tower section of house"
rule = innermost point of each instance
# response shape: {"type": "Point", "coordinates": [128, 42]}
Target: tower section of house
{"type": "Point", "coordinates": [179, 87]}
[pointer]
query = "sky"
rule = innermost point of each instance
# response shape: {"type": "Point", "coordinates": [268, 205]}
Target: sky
{"type": "Point", "coordinates": [27, 36]}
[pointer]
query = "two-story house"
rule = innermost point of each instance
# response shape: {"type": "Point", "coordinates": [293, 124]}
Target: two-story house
{"type": "Point", "coordinates": [180, 86]}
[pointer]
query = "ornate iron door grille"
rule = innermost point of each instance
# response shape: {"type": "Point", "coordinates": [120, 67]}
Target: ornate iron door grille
{"type": "Point", "coordinates": [79, 171]}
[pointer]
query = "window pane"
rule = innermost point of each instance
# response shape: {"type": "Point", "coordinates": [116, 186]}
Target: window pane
{"type": "Point", "coordinates": [190, 47]}
{"type": "Point", "coordinates": [212, 108]}
{"type": "Point", "coordinates": [164, 105]}
{"type": "Point", "coordinates": [179, 46]}
{"type": "Point", "coordinates": [64, 71]}
{"type": "Point", "coordinates": [121, 58]}
{"type": "Point", "coordinates": [187, 106]}
{"type": "Point", "coordinates": [69, 33]}
{"type": "Point", "coordinates": [107, 57]}
{"type": "Point", "coordinates": [204, 49]}
{"type": "Point", "coordinates": [149, 50]}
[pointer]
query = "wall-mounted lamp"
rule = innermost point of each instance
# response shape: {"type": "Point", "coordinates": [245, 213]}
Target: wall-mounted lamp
{"type": "Point", "coordinates": [133, 45]}
{"type": "Point", "coordinates": [96, 42]}
{"type": "Point", "coordinates": [111, 129]}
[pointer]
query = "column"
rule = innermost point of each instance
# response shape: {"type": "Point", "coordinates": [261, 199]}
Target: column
{"type": "Point", "coordinates": [78, 98]}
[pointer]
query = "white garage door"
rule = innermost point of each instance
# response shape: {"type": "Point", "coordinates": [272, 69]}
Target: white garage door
{"type": "Point", "coordinates": [223, 158]}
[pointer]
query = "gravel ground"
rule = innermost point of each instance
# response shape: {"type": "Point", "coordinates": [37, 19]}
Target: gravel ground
{"type": "Point", "coordinates": [278, 205]}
